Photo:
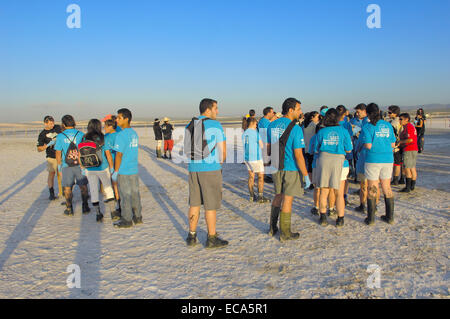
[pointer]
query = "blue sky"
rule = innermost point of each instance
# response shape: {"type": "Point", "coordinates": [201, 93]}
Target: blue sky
{"type": "Point", "coordinates": [160, 58]}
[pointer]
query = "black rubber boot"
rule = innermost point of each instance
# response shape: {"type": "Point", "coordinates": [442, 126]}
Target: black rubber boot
{"type": "Point", "coordinates": [191, 239]}
{"type": "Point", "coordinates": [401, 181]}
{"type": "Point", "coordinates": [315, 211]}
{"type": "Point", "coordinates": [407, 189]}
{"type": "Point", "coordinates": [274, 220]}
{"type": "Point", "coordinates": [99, 216]}
{"type": "Point", "coordinates": [323, 220]}
{"type": "Point", "coordinates": [413, 185]}
{"type": "Point", "coordinates": [215, 242]}
{"type": "Point", "coordinates": [285, 228]}
{"type": "Point", "coordinates": [52, 194]}
{"type": "Point", "coordinates": [395, 180]}
{"type": "Point", "coordinates": [86, 209]}
{"type": "Point", "coordinates": [371, 208]}
{"type": "Point", "coordinates": [389, 217]}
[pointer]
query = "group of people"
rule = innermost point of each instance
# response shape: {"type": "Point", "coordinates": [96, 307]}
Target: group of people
{"type": "Point", "coordinates": [318, 152]}
{"type": "Point", "coordinates": [106, 160]}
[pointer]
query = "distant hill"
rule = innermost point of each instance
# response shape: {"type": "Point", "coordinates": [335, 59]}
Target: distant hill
{"type": "Point", "coordinates": [428, 108]}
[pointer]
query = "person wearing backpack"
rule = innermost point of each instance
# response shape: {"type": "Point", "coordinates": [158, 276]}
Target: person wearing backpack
{"type": "Point", "coordinates": [126, 169]}
{"type": "Point", "coordinates": [93, 159]}
{"type": "Point", "coordinates": [68, 159]}
{"type": "Point", "coordinates": [205, 148]}
{"type": "Point", "coordinates": [285, 145]}
{"type": "Point", "coordinates": [158, 137]}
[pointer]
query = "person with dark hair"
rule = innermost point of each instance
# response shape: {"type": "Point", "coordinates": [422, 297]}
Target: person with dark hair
{"type": "Point", "coordinates": [379, 140]}
{"type": "Point", "coordinates": [285, 137]}
{"type": "Point", "coordinates": [420, 128]}
{"type": "Point", "coordinates": [268, 116]}
{"type": "Point", "coordinates": [205, 173]}
{"type": "Point", "coordinates": [408, 142]}
{"type": "Point", "coordinates": [110, 141]}
{"type": "Point", "coordinates": [100, 174]}
{"type": "Point", "coordinates": [253, 160]}
{"type": "Point", "coordinates": [46, 142]}
{"type": "Point", "coordinates": [251, 113]}
{"type": "Point", "coordinates": [126, 171]}
{"type": "Point", "coordinates": [348, 169]}
{"type": "Point", "coordinates": [309, 130]}
{"type": "Point", "coordinates": [332, 142]}
{"type": "Point", "coordinates": [158, 137]}
{"type": "Point", "coordinates": [67, 156]}
{"type": "Point", "coordinates": [167, 130]}
{"type": "Point", "coordinates": [393, 113]}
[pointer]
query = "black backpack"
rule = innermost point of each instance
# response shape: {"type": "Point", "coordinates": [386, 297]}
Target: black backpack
{"type": "Point", "coordinates": [282, 144]}
{"type": "Point", "coordinates": [90, 153]}
{"type": "Point", "coordinates": [195, 144]}
{"type": "Point", "coordinates": [71, 157]}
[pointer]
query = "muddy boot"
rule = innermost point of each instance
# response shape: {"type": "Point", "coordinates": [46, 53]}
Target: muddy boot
{"type": "Point", "coordinates": [371, 208]}
{"type": "Point", "coordinates": [389, 217]}
{"type": "Point", "coordinates": [274, 220]}
{"type": "Point", "coordinates": [285, 227]}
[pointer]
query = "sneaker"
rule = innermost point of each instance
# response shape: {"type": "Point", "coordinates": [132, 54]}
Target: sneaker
{"type": "Point", "coordinates": [340, 222]}
{"type": "Point", "coordinates": [315, 211]}
{"type": "Point", "coordinates": [191, 240]}
{"type": "Point", "coordinates": [361, 208]}
{"type": "Point", "coordinates": [215, 242]}
{"type": "Point", "coordinates": [68, 211]}
{"type": "Point", "coordinates": [115, 215]}
{"type": "Point", "coordinates": [137, 220]}
{"type": "Point", "coordinates": [332, 212]}
{"type": "Point", "coordinates": [262, 200]}
{"type": "Point", "coordinates": [121, 223]}
{"type": "Point", "coordinates": [323, 220]}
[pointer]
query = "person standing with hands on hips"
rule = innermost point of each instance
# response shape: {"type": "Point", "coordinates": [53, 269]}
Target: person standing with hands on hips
{"type": "Point", "coordinates": [126, 171]}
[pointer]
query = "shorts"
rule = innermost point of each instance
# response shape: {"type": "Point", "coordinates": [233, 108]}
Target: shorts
{"type": "Point", "coordinates": [377, 171]}
{"type": "Point", "coordinates": [72, 175]}
{"type": "Point", "coordinates": [345, 172]}
{"type": "Point", "coordinates": [410, 159]}
{"type": "Point", "coordinates": [362, 177]}
{"type": "Point", "coordinates": [52, 165]}
{"type": "Point", "coordinates": [309, 158]}
{"type": "Point", "coordinates": [256, 166]}
{"type": "Point", "coordinates": [205, 188]}
{"type": "Point", "coordinates": [288, 183]}
{"type": "Point", "coordinates": [159, 143]}
{"type": "Point", "coordinates": [168, 145]}
{"type": "Point", "coordinates": [398, 158]}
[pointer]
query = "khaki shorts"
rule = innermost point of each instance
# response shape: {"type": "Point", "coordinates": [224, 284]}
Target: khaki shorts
{"type": "Point", "coordinates": [255, 167]}
{"type": "Point", "coordinates": [52, 165]}
{"type": "Point", "coordinates": [288, 183]}
{"type": "Point", "coordinates": [205, 188]}
{"type": "Point", "coordinates": [376, 171]}
{"type": "Point", "coordinates": [410, 159]}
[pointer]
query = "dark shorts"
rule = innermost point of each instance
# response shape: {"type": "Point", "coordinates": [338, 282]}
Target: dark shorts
{"type": "Point", "coordinates": [205, 188]}
{"type": "Point", "coordinates": [398, 158]}
{"type": "Point", "coordinates": [72, 175]}
{"type": "Point", "coordinates": [288, 183]}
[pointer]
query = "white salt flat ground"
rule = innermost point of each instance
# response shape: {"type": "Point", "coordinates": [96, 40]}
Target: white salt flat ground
{"type": "Point", "coordinates": [37, 242]}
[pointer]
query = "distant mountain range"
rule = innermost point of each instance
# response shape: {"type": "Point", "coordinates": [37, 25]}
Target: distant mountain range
{"type": "Point", "coordinates": [428, 107]}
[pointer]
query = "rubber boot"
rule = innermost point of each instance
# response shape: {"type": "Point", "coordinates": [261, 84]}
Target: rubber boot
{"type": "Point", "coordinates": [395, 180]}
{"type": "Point", "coordinates": [99, 216]}
{"type": "Point", "coordinates": [69, 207]}
{"type": "Point", "coordinates": [52, 194]}
{"type": "Point", "coordinates": [285, 227]}
{"type": "Point", "coordinates": [340, 222]}
{"type": "Point", "coordinates": [407, 189]}
{"type": "Point", "coordinates": [371, 207]}
{"type": "Point", "coordinates": [86, 209]}
{"type": "Point", "coordinates": [389, 217]}
{"type": "Point", "coordinates": [401, 181]}
{"type": "Point", "coordinates": [413, 185]}
{"type": "Point", "coordinates": [274, 220]}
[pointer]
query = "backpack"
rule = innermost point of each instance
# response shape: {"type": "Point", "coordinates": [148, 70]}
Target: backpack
{"type": "Point", "coordinates": [195, 144]}
{"type": "Point", "coordinates": [71, 157]}
{"type": "Point", "coordinates": [90, 153]}
{"type": "Point", "coordinates": [282, 144]}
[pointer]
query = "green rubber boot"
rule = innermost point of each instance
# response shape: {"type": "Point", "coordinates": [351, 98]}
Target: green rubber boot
{"type": "Point", "coordinates": [285, 225]}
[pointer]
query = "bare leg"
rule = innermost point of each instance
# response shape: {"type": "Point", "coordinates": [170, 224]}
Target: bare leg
{"type": "Point", "coordinates": [260, 183]}
{"type": "Point", "coordinates": [50, 180]}
{"type": "Point", "coordinates": [331, 199]}
{"type": "Point", "coordinates": [323, 200]}
{"type": "Point", "coordinates": [340, 202]}
{"type": "Point", "coordinates": [210, 217]}
{"type": "Point", "coordinates": [194, 214]}
{"type": "Point", "coordinates": [251, 182]}
{"type": "Point", "coordinates": [287, 204]}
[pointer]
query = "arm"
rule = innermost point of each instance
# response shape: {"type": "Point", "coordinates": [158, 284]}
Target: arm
{"type": "Point", "coordinates": [42, 148]}
{"type": "Point", "coordinates": [300, 161]}
{"type": "Point", "coordinates": [118, 161]}
{"type": "Point", "coordinates": [368, 146]}
{"type": "Point", "coordinates": [222, 149]}
{"type": "Point", "coordinates": [109, 158]}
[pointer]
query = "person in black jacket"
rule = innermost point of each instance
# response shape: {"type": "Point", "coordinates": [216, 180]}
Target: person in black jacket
{"type": "Point", "coordinates": [158, 137]}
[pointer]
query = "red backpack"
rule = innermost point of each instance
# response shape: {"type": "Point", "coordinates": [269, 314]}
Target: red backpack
{"type": "Point", "coordinates": [90, 153]}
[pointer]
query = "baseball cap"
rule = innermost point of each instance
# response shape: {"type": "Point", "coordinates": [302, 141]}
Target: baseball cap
{"type": "Point", "coordinates": [107, 117]}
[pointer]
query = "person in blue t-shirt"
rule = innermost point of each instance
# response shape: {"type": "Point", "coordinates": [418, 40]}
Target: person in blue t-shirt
{"type": "Point", "coordinates": [253, 158]}
{"type": "Point", "coordinates": [99, 175]}
{"type": "Point", "coordinates": [379, 140]}
{"type": "Point", "coordinates": [332, 142]}
{"type": "Point", "coordinates": [268, 117]}
{"type": "Point", "coordinates": [126, 171]}
{"type": "Point", "coordinates": [110, 141]}
{"type": "Point", "coordinates": [287, 180]}
{"type": "Point", "coordinates": [348, 163]}
{"type": "Point", "coordinates": [72, 173]}
{"type": "Point", "coordinates": [205, 175]}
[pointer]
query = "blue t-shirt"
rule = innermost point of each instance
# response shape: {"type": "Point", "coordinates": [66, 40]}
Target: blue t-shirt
{"type": "Point", "coordinates": [361, 152]}
{"type": "Point", "coordinates": [63, 141]}
{"type": "Point", "coordinates": [346, 124]}
{"type": "Point", "coordinates": [263, 124]}
{"type": "Point", "coordinates": [127, 143]}
{"type": "Point", "coordinates": [110, 140]}
{"type": "Point", "coordinates": [381, 137]}
{"type": "Point", "coordinates": [119, 129]}
{"type": "Point", "coordinates": [312, 146]}
{"type": "Point", "coordinates": [295, 141]}
{"type": "Point", "coordinates": [360, 123]}
{"type": "Point", "coordinates": [214, 134]}
{"type": "Point", "coordinates": [334, 140]}
{"type": "Point", "coordinates": [252, 149]}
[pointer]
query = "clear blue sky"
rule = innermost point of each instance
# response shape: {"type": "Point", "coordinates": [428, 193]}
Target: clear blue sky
{"type": "Point", "coordinates": [161, 57]}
